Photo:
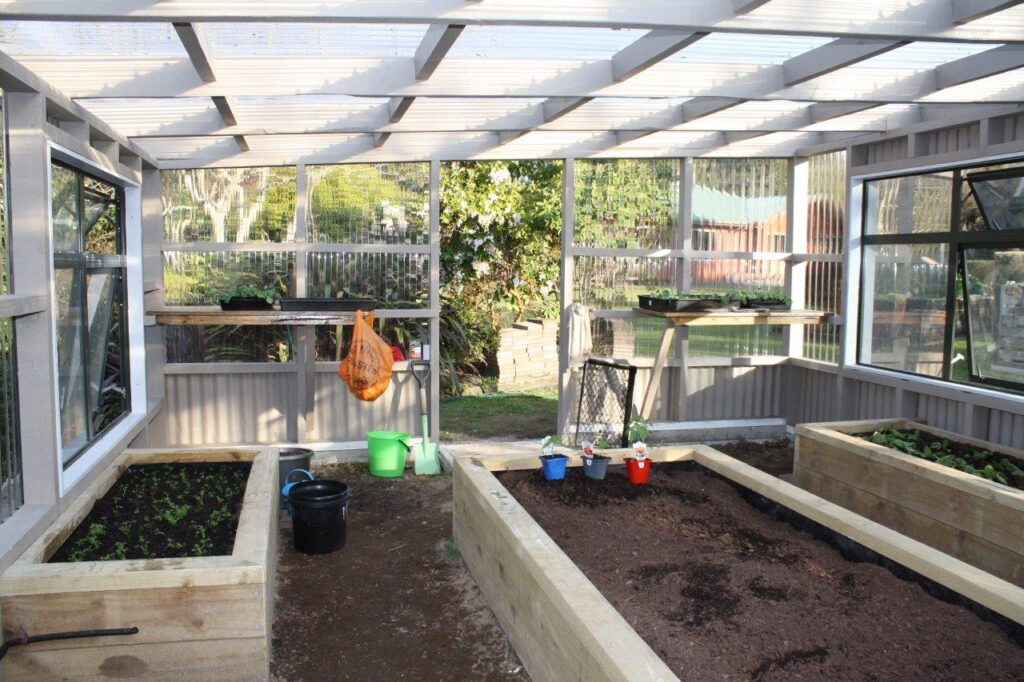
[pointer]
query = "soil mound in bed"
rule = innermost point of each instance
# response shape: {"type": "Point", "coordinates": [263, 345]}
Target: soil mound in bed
{"type": "Point", "coordinates": [162, 511]}
{"type": "Point", "coordinates": [721, 591]}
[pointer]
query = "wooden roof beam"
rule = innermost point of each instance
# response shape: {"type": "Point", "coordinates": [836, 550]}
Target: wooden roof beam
{"type": "Point", "coordinates": [965, 11]}
{"type": "Point", "coordinates": [397, 106]}
{"type": "Point", "coordinates": [831, 57]}
{"type": "Point", "coordinates": [224, 109]}
{"type": "Point", "coordinates": [649, 50]}
{"type": "Point", "coordinates": [981, 65]}
{"type": "Point", "coordinates": [195, 45]}
{"type": "Point", "coordinates": [435, 45]}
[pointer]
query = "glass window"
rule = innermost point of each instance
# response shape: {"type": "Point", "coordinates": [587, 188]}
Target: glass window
{"type": "Point", "coordinates": [995, 313]}
{"type": "Point", "coordinates": [1000, 197]}
{"type": "Point", "coordinates": [89, 288]}
{"type": "Point", "coordinates": [909, 205]}
{"type": "Point", "coordinates": [626, 203]}
{"type": "Point", "coordinates": [904, 307]}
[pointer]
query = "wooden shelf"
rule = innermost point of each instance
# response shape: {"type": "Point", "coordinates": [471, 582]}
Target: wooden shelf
{"type": "Point", "coordinates": [213, 315]}
{"type": "Point", "coordinates": [720, 318]}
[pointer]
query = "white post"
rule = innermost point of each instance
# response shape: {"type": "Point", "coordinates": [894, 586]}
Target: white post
{"type": "Point", "coordinates": [29, 160]}
{"type": "Point", "coordinates": [435, 299]}
{"type": "Point", "coordinates": [684, 242]}
{"type": "Point", "coordinates": [566, 279]}
{"type": "Point", "coordinates": [796, 243]}
{"type": "Point", "coordinates": [305, 336]}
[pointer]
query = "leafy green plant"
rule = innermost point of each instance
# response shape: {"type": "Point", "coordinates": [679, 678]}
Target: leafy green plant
{"type": "Point", "coordinates": [268, 293]}
{"type": "Point", "coordinates": [975, 461]}
{"type": "Point", "coordinates": [746, 297]}
{"type": "Point", "coordinates": [639, 428]}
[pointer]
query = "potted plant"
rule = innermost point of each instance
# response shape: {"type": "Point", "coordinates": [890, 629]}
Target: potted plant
{"type": "Point", "coordinates": [248, 296]}
{"type": "Point", "coordinates": [638, 467]}
{"type": "Point", "coordinates": [595, 466]}
{"type": "Point", "coordinates": [553, 465]}
{"type": "Point", "coordinates": [762, 300]}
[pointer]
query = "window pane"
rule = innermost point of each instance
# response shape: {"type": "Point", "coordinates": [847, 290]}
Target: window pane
{"type": "Point", "coordinates": [101, 221]}
{"type": "Point", "coordinates": [229, 343]}
{"type": "Point", "coordinates": [1001, 199]}
{"type": "Point", "coordinates": [995, 312]}
{"type": "Point", "coordinates": [395, 280]}
{"type": "Point", "coordinates": [11, 490]}
{"type": "Point", "coordinates": [229, 205]}
{"type": "Point", "coordinates": [740, 204]}
{"type": "Point", "coordinates": [195, 278]}
{"type": "Point", "coordinates": [386, 203]}
{"type": "Point", "coordinates": [626, 203]}
{"type": "Point", "coordinates": [107, 370]}
{"type": "Point", "coordinates": [904, 307]}
{"type": "Point", "coordinates": [913, 204]}
{"type": "Point", "coordinates": [64, 199]}
{"type": "Point", "coordinates": [614, 283]}
{"type": "Point", "coordinates": [68, 285]}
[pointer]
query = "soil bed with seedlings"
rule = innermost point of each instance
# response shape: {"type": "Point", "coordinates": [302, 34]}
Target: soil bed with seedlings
{"type": "Point", "coordinates": [162, 511]}
{"type": "Point", "coordinates": [719, 589]}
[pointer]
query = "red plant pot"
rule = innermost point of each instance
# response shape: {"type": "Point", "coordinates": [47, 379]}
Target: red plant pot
{"type": "Point", "coordinates": [638, 470]}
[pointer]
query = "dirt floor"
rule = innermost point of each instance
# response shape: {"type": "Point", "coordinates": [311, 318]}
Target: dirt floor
{"type": "Point", "coordinates": [396, 603]}
{"type": "Point", "coordinates": [774, 456]}
{"type": "Point", "coordinates": [721, 591]}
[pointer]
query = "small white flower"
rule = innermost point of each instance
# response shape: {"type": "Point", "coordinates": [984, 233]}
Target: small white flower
{"type": "Point", "coordinates": [500, 175]}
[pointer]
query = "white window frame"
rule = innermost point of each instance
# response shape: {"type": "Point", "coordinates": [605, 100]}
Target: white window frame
{"type": "Point", "coordinates": [112, 439]}
{"type": "Point", "coordinates": [852, 367]}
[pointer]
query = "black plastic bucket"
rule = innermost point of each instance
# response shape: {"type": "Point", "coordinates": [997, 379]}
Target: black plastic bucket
{"type": "Point", "coordinates": [319, 511]}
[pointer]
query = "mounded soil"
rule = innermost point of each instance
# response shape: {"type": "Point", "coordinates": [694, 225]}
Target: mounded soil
{"type": "Point", "coordinates": [396, 603]}
{"type": "Point", "coordinates": [721, 591]}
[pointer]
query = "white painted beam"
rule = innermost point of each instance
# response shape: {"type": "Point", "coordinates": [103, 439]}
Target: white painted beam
{"type": "Point", "coordinates": [981, 65]}
{"type": "Point", "coordinates": [240, 140]}
{"type": "Point", "coordinates": [649, 50]}
{"type": "Point", "coordinates": [436, 43]}
{"type": "Point", "coordinates": [744, 6]}
{"type": "Point", "coordinates": [905, 21]}
{"type": "Point", "coordinates": [832, 57]}
{"type": "Point", "coordinates": [195, 45]}
{"type": "Point", "coordinates": [965, 11]}
{"type": "Point", "coordinates": [706, 106]}
{"type": "Point", "coordinates": [379, 139]}
{"type": "Point", "coordinates": [224, 109]}
{"type": "Point", "coordinates": [397, 106]}
{"type": "Point", "coordinates": [554, 108]}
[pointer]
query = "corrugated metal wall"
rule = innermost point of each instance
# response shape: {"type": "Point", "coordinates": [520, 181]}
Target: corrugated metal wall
{"type": "Point", "coordinates": [338, 416]}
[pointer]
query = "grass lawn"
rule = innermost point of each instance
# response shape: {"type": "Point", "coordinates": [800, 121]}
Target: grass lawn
{"type": "Point", "coordinates": [527, 414]}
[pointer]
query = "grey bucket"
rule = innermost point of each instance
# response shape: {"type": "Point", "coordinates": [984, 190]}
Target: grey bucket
{"type": "Point", "coordinates": [291, 459]}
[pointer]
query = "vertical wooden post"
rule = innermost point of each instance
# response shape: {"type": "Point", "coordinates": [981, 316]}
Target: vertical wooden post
{"type": "Point", "coordinates": [435, 299]}
{"type": "Point", "coordinates": [684, 280]}
{"type": "Point", "coordinates": [796, 243]}
{"type": "Point", "coordinates": [849, 293]}
{"type": "Point", "coordinates": [153, 273]}
{"type": "Point", "coordinates": [305, 336]}
{"type": "Point", "coordinates": [566, 278]}
{"type": "Point", "coordinates": [29, 161]}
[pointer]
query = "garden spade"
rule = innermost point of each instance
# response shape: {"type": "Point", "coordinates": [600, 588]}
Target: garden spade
{"type": "Point", "coordinates": [426, 462]}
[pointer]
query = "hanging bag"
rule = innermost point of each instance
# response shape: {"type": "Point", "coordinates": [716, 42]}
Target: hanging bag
{"type": "Point", "coordinates": [366, 370]}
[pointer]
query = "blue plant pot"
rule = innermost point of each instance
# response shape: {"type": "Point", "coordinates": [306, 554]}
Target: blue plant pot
{"type": "Point", "coordinates": [554, 466]}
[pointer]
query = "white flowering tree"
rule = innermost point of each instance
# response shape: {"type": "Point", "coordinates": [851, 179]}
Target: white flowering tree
{"type": "Point", "coordinates": [500, 244]}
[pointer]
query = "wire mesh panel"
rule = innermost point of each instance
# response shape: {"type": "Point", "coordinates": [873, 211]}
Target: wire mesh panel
{"type": "Point", "coordinates": [395, 280]}
{"type": "Point", "coordinates": [198, 278]}
{"type": "Point", "coordinates": [626, 203]}
{"type": "Point", "coordinates": [606, 403]}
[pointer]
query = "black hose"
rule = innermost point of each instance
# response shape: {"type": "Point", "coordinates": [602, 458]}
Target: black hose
{"type": "Point", "coordinates": [75, 634]}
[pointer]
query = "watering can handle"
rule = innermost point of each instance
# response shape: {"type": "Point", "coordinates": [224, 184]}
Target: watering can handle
{"type": "Point", "coordinates": [293, 471]}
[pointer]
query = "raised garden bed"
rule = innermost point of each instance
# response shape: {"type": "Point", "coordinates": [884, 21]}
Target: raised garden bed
{"type": "Point", "coordinates": [715, 586]}
{"type": "Point", "coordinates": [199, 617]}
{"type": "Point", "coordinates": [976, 520]}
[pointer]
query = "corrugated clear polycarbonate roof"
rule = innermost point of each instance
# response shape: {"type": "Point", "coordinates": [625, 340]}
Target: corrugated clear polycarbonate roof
{"type": "Point", "coordinates": [337, 81]}
{"type": "Point", "coordinates": [541, 42]}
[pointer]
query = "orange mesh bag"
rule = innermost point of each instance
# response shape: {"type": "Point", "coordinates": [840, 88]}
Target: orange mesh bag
{"type": "Point", "coordinates": [367, 367]}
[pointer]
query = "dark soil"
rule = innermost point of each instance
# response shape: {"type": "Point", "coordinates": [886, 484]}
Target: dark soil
{"type": "Point", "coordinates": [774, 456]}
{"type": "Point", "coordinates": [158, 511]}
{"type": "Point", "coordinates": [720, 590]}
{"type": "Point", "coordinates": [396, 603]}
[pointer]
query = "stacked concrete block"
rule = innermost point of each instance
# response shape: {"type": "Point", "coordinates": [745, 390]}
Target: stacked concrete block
{"type": "Point", "coordinates": [528, 355]}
